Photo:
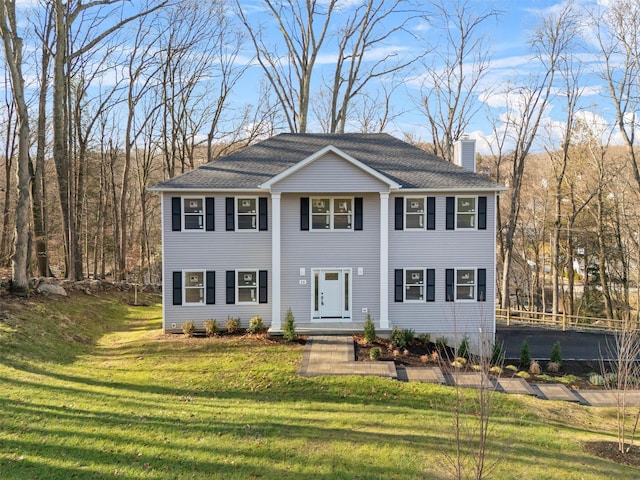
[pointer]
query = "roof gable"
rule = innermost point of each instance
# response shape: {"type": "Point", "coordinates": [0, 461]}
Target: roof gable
{"type": "Point", "coordinates": [321, 154]}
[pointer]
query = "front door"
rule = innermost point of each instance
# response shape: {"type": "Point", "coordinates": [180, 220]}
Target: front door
{"type": "Point", "coordinates": [331, 292]}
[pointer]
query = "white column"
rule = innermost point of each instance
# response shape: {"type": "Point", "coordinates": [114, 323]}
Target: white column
{"type": "Point", "coordinates": [384, 260]}
{"type": "Point", "coordinates": [275, 261]}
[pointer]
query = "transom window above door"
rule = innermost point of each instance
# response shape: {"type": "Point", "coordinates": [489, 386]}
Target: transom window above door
{"type": "Point", "coordinates": [329, 213]}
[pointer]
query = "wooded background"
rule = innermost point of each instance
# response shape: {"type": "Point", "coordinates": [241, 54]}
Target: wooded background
{"type": "Point", "coordinates": [103, 99]}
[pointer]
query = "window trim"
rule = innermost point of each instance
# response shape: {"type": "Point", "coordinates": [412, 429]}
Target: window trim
{"type": "Point", "coordinates": [475, 212]}
{"type": "Point", "coordinates": [407, 213]}
{"type": "Point", "coordinates": [256, 286]}
{"type": "Point", "coordinates": [237, 214]}
{"type": "Point", "coordinates": [331, 213]}
{"type": "Point", "coordinates": [202, 287]}
{"type": "Point", "coordinates": [405, 285]}
{"type": "Point", "coordinates": [456, 284]}
{"type": "Point", "coordinates": [184, 214]}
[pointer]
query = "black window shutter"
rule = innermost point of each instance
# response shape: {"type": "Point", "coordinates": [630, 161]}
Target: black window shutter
{"type": "Point", "coordinates": [450, 290]}
{"type": "Point", "coordinates": [399, 283]}
{"type": "Point", "coordinates": [431, 285]}
{"type": "Point", "coordinates": [451, 213]}
{"type": "Point", "coordinates": [304, 213]}
{"type": "Point", "coordinates": [262, 213]}
{"type": "Point", "coordinates": [230, 213]}
{"type": "Point", "coordinates": [262, 286]}
{"type": "Point", "coordinates": [176, 214]}
{"type": "Point", "coordinates": [210, 207]}
{"type": "Point", "coordinates": [177, 288]}
{"type": "Point", "coordinates": [431, 213]}
{"type": "Point", "coordinates": [211, 288]}
{"type": "Point", "coordinates": [399, 213]}
{"type": "Point", "coordinates": [482, 213]}
{"type": "Point", "coordinates": [231, 286]}
{"type": "Point", "coordinates": [357, 208]}
{"type": "Point", "coordinates": [482, 284]}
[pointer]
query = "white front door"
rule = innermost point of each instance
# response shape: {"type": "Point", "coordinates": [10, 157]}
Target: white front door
{"type": "Point", "coordinates": [331, 293]}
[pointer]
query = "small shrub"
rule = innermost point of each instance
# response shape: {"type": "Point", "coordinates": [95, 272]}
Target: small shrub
{"type": "Point", "coordinates": [553, 367]}
{"type": "Point", "coordinates": [496, 370]}
{"type": "Point", "coordinates": [374, 353]}
{"type": "Point", "coordinates": [232, 324]}
{"type": "Point", "coordinates": [497, 354]}
{"type": "Point", "coordinates": [211, 327]}
{"type": "Point", "coordinates": [188, 328]}
{"type": "Point", "coordinates": [523, 374]}
{"type": "Point", "coordinates": [556, 354]}
{"type": "Point", "coordinates": [256, 325]}
{"type": "Point", "coordinates": [525, 356]}
{"type": "Point", "coordinates": [289, 329]}
{"type": "Point", "coordinates": [513, 368]}
{"type": "Point", "coordinates": [534, 368]}
{"type": "Point", "coordinates": [611, 379]}
{"type": "Point", "coordinates": [398, 340]}
{"type": "Point", "coordinates": [424, 338]}
{"type": "Point", "coordinates": [396, 353]}
{"type": "Point", "coordinates": [596, 379]}
{"type": "Point", "coordinates": [409, 335]}
{"type": "Point", "coordinates": [369, 330]}
{"type": "Point", "coordinates": [463, 349]}
{"type": "Point", "coordinates": [405, 352]}
{"type": "Point", "coordinates": [476, 368]}
{"type": "Point", "coordinates": [424, 358]}
{"type": "Point", "coordinates": [435, 356]}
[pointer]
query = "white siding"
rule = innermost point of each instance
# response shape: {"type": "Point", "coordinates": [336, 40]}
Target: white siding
{"type": "Point", "coordinates": [330, 173]}
{"type": "Point", "coordinates": [441, 249]}
{"type": "Point", "coordinates": [330, 249]}
{"type": "Point", "coordinates": [218, 251]}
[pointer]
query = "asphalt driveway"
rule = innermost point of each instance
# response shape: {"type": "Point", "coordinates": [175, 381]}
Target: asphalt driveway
{"type": "Point", "coordinates": [574, 345]}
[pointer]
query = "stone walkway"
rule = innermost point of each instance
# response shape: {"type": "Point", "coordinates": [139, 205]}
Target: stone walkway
{"type": "Point", "coordinates": [335, 355]}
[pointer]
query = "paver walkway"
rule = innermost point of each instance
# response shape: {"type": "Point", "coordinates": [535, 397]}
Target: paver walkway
{"type": "Point", "coordinates": [335, 355]}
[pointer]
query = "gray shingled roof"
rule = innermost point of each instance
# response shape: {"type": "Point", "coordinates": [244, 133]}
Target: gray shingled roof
{"type": "Point", "coordinates": [399, 161]}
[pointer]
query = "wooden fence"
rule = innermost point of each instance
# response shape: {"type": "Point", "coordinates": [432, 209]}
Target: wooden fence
{"type": "Point", "coordinates": [512, 316]}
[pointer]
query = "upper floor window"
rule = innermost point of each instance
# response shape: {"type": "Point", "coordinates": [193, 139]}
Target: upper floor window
{"type": "Point", "coordinates": [465, 212]}
{"type": "Point", "coordinates": [415, 213]}
{"type": "Point", "coordinates": [331, 213]}
{"type": "Point", "coordinates": [247, 213]}
{"type": "Point", "coordinates": [193, 213]}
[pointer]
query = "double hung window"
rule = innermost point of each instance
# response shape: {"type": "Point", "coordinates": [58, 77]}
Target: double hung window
{"type": "Point", "coordinates": [193, 213]}
{"type": "Point", "coordinates": [247, 213]}
{"type": "Point", "coordinates": [465, 212]}
{"type": "Point", "coordinates": [331, 213]}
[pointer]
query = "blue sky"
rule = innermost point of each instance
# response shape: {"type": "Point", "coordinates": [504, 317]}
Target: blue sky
{"type": "Point", "coordinates": [506, 40]}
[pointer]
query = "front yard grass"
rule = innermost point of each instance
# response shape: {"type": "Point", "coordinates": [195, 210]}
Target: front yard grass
{"type": "Point", "coordinates": [91, 389]}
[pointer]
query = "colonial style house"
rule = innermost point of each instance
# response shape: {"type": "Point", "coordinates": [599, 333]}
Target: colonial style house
{"type": "Point", "coordinates": [333, 227]}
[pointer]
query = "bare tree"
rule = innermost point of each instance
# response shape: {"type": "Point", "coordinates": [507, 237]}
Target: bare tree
{"type": "Point", "coordinates": [454, 70]}
{"type": "Point", "coordinates": [367, 28]}
{"type": "Point", "coordinates": [616, 30]}
{"type": "Point", "coordinates": [10, 147]}
{"type": "Point", "coordinates": [524, 113]}
{"type": "Point", "coordinates": [13, 46]}
{"type": "Point", "coordinates": [67, 15]}
{"type": "Point", "coordinates": [303, 26]}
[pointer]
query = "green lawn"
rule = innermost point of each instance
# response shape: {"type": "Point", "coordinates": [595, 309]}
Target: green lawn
{"type": "Point", "coordinates": [90, 389]}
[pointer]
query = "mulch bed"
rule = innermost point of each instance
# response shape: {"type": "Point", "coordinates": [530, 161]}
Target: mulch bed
{"type": "Point", "coordinates": [418, 354]}
{"type": "Point", "coordinates": [609, 451]}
